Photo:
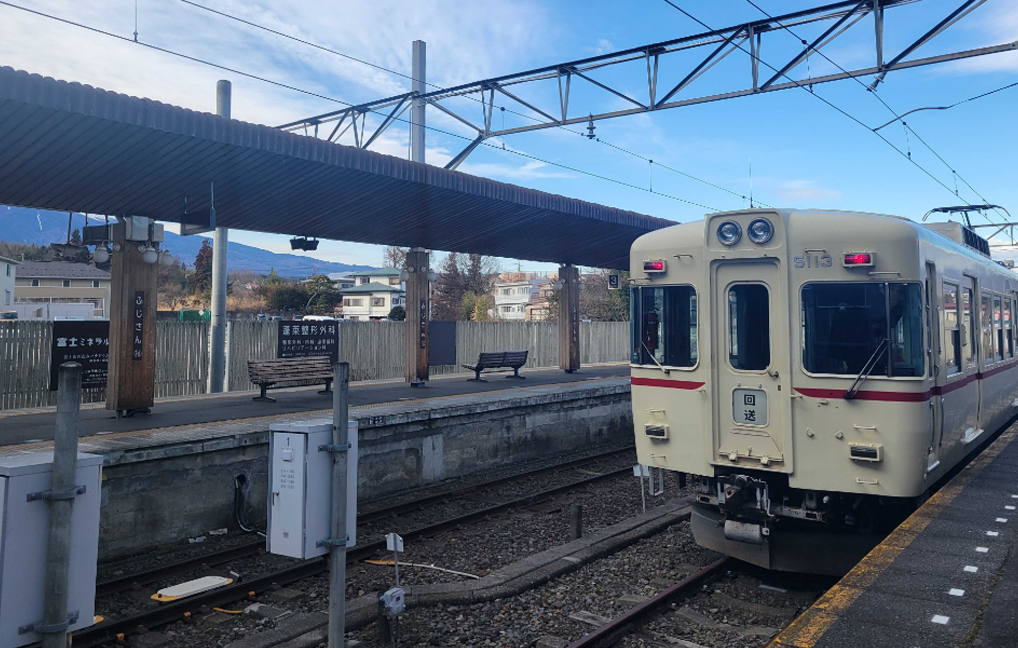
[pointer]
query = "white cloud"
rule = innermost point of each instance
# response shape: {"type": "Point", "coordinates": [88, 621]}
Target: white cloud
{"type": "Point", "coordinates": [530, 170]}
{"type": "Point", "coordinates": [998, 25]}
{"type": "Point", "coordinates": [604, 46]}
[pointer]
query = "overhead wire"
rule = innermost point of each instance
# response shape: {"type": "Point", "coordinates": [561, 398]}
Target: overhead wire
{"type": "Point", "coordinates": [409, 77]}
{"type": "Point", "coordinates": [814, 94]}
{"type": "Point", "coordinates": [342, 102]}
{"type": "Point", "coordinates": [897, 116]}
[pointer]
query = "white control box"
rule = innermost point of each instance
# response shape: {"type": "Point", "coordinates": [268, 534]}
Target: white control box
{"type": "Point", "coordinates": [24, 537]}
{"type": "Point", "coordinates": [300, 488]}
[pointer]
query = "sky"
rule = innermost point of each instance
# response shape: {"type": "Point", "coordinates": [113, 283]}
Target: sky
{"type": "Point", "coordinates": [790, 148]}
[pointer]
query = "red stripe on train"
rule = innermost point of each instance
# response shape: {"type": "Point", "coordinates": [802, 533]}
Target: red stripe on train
{"type": "Point", "coordinates": [898, 397]}
{"type": "Point", "coordinates": [673, 384]}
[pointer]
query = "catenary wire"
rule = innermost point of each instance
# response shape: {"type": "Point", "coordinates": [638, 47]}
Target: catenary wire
{"type": "Point", "coordinates": [345, 103]}
{"type": "Point", "coordinates": [599, 140]}
{"type": "Point", "coordinates": [803, 87]}
{"type": "Point", "coordinates": [886, 105]}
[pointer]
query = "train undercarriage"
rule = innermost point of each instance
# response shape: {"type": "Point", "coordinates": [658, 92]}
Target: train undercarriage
{"type": "Point", "coordinates": [758, 518]}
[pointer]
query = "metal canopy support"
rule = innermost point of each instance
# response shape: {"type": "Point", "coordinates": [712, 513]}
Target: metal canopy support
{"type": "Point", "coordinates": [417, 121]}
{"type": "Point", "coordinates": [217, 330]}
{"type": "Point", "coordinates": [569, 318]}
{"type": "Point", "coordinates": [719, 43]}
{"type": "Point", "coordinates": [418, 295]}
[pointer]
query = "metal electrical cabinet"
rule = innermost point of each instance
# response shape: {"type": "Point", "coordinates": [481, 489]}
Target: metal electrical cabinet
{"type": "Point", "coordinates": [300, 488]}
{"type": "Point", "coordinates": [24, 535]}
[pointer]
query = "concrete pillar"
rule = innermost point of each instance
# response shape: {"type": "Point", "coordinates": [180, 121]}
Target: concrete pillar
{"type": "Point", "coordinates": [130, 382]}
{"type": "Point", "coordinates": [418, 311]}
{"type": "Point", "coordinates": [217, 331]}
{"type": "Point", "coordinates": [569, 319]}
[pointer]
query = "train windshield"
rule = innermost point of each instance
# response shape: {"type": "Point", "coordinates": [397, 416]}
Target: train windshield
{"type": "Point", "coordinates": [663, 326]}
{"type": "Point", "coordinates": [843, 324]}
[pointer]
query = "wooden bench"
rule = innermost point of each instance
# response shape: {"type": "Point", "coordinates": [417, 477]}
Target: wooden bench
{"type": "Point", "coordinates": [501, 360]}
{"type": "Point", "coordinates": [290, 372]}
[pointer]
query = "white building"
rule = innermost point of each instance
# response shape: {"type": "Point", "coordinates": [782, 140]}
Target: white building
{"type": "Point", "coordinates": [513, 291]}
{"type": "Point", "coordinates": [8, 270]}
{"type": "Point", "coordinates": [373, 295]}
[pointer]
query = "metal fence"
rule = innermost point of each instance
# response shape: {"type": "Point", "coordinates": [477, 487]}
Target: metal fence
{"type": "Point", "coordinates": [375, 350]}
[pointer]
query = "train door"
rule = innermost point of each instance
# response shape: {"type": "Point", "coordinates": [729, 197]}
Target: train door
{"type": "Point", "coordinates": [970, 400]}
{"type": "Point", "coordinates": [751, 365]}
{"type": "Point", "coordinates": [936, 363]}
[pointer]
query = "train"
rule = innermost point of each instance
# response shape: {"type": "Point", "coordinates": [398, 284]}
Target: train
{"type": "Point", "coordinates": [816, 373]}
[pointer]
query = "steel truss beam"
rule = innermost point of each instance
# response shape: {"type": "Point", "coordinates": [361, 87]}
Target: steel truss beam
{"type": "Point", "coordinates": [747, 37]}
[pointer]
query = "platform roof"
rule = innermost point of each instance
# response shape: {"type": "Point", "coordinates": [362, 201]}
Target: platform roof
{"type": "Point", "coordinates": [67, 146]}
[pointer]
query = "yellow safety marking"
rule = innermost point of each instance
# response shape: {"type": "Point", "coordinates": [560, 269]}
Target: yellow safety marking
{"type": "Point", "coordinates": [163, 598]}
{"type": "Point", "coordinates": [228, 611]}
{"type": "Point", "coordinates": [811, 625]}
{"type": "Point", "coordinates": [98, 619]}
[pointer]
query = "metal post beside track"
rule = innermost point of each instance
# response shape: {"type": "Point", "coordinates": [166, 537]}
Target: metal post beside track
{"type": "Point", "coordinates": [56, 618]}
{"type": "Point", "coordinates": [337, 550]}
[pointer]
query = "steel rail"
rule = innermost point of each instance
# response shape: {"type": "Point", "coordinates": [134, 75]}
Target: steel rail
{"type": "Point", "coordinates": [177, 610]}
{"type": "Point", "coordinates": [123, 583]}
{"type": "Point", "coordinates": [611, 633]}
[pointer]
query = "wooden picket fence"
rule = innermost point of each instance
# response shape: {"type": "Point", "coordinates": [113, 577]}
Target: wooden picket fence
{"type": "Point", "coordinates": [375, 350]}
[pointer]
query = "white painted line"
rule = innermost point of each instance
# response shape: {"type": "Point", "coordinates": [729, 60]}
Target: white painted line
{"type": "Point", "coordinates": [983, 549]}
{"type": "Point", "coordinates": [772, 588]}
{"type": "Point", "coordinates": [956, 592]}
{"type": "Point", "coordinates": [942, 620]}
{"type": "Point", "coordinates": [993, 534]}
{"type": "Point", "coordinates": [1002, 520]}
{"type": "Point", "coordinates": [1014, 497]}
{"type": "Point", "coordinates": [972, 569]}
{"type": "Point", "coordinates": [1009, 508]}
{"type": "Point", "coordinates": [33, 440]}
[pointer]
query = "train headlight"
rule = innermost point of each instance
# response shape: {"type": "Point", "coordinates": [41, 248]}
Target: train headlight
{"type": "Point", "coordinates": [729, 233]}
{"type": "Point", "coordinates": [760, 231]}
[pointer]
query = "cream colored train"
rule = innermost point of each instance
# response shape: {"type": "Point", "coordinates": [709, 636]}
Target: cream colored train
{"type": "Point", "coordinates": [817, 372]}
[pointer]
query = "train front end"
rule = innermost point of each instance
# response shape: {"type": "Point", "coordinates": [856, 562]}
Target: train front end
{"type": "Point", "coordinates": [721, 390]}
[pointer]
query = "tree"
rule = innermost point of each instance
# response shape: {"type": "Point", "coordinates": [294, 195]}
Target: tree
{"type": "Point", "coordinates": [322, 296]}
{"type": "Point", "coordinates": [28, 252]}
{"type": "Point", "coordinates": [467, 304]}
{"type": "Point", "coordinates": [394, 257]}
{"type": "Point", "coordinates": [482, 308]}
{"type": "Point", "coordinates": [76, 237]}
{"type": "Point", "coordinates": [449, 289]}
{"type": "Point", "coordinates": [602, 304]}
{"type": "Point", "coordinates": [173, 285]}
{"type": "Point", "coordinates": [203, 270]}
{"type": "Point", "coordinates": [481, 273]}
{"type": "Point", "coordinates": [397, 313]}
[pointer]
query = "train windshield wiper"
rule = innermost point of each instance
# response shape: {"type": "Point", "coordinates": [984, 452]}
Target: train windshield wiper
{"type": "Point", "coordinates": [667, 372]}
{"type": "Point", "coordinates": [866, 369]}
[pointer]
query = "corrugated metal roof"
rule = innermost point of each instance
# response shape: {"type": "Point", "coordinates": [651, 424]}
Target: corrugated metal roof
{"type": "Point", "coordinates": [377, 272]}
{"type": "Point", "coordinates": [60, 270]}
{"type": "Point", "coordinates": [72, 147]}
{"type": "Point", "coordinates": [372, 287]}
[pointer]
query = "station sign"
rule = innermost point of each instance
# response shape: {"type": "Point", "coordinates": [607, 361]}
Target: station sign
{"type": "Point", "coordinates": [613, 282]}
{"type": "Point", "coordinates": [300, 339]}
{"type": "Point", "coordinates": [86, 342]}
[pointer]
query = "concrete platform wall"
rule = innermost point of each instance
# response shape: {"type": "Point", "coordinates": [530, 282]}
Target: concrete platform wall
{"type": "Point", "coordinates": [182, 485]}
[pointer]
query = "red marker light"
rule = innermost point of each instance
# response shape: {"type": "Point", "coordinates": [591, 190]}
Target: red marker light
{"type": "Point", "coordinates": [859, 259]}
{"type": "Point", "coordinates": [653, 266]}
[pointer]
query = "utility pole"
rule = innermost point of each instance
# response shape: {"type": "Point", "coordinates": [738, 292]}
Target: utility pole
{"type": "Point", "coordinates": [338, 532]}
{"type": "Point", "coordinates": [217, 332]}
{"type": "Point", "coordinates": [61, 504]}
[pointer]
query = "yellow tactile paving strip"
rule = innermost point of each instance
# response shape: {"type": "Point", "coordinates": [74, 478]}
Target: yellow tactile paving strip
{"type": "Point", "coordinates": [812, 624]}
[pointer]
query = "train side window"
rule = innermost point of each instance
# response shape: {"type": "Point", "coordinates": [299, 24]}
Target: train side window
{"type": "Point", "coordinates": [1009, 326]}
{"type": "Point", "coordinates": [663, 326]}
{"type": "Point", "coordinates": [905, 307]}
{"type": "Point", "coordinates": [749, 327]}
{"type": "Point", "coordinates": [986, 324]}
{"type": "Point", "coordinates": [998, 328]}
{"type": "Point", "coordinates": [952, 330]}
{"type": "Point", "coordinates": [968, 316]}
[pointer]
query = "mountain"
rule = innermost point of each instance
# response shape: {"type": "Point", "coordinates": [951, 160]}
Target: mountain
{"type": "Point", "coordinates": [38, 227]}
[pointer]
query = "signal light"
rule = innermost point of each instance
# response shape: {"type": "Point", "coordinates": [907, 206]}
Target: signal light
{"type": "Point", "coordinates": [654, 266]}
{"type": "Point", "coordinates": [856, 259]}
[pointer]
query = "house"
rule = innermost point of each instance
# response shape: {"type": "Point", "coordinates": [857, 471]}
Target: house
{"type": "Point", "coordinates": [8, 270]}
{"type": "Point", "coordinates": [341, 280]}
{"type": "Point", "coordinates": [539, 308]}
{"type": "Point", "coordinates": [62, 282]}
{"type": "Point", "coordinates": [514, 291]}
{"type": "Point", "coordinates": [373, 295]}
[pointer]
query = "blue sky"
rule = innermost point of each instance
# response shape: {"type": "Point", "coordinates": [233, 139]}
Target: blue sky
{"type": "Point", "coordinates": [803, 153]}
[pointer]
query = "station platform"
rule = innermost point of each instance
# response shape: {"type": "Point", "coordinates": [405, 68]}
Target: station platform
{"type": "Point", "coordinates": [948, 576]}
{"type": "Point", "coordinates": [27, 426]}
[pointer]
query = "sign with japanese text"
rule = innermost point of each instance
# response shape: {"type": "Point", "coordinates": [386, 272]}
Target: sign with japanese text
{"type": "Point", "coordinates": [138, 326]}
{"type": "Point", "coordinates": [85, 342]}
{"type": "Point", "coordinates": [306, 339]}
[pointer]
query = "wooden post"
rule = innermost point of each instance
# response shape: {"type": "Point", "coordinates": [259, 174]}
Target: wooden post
{"type": "Point", "coordinates": [569, 319]}
{"type": "Point", "coordinates": [130, 384]}
{"type": "Point", "coordinates": [418, 309]}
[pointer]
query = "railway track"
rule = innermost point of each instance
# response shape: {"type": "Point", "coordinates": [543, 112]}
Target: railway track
{"type": "Point", "coordinates": [114, 629]}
